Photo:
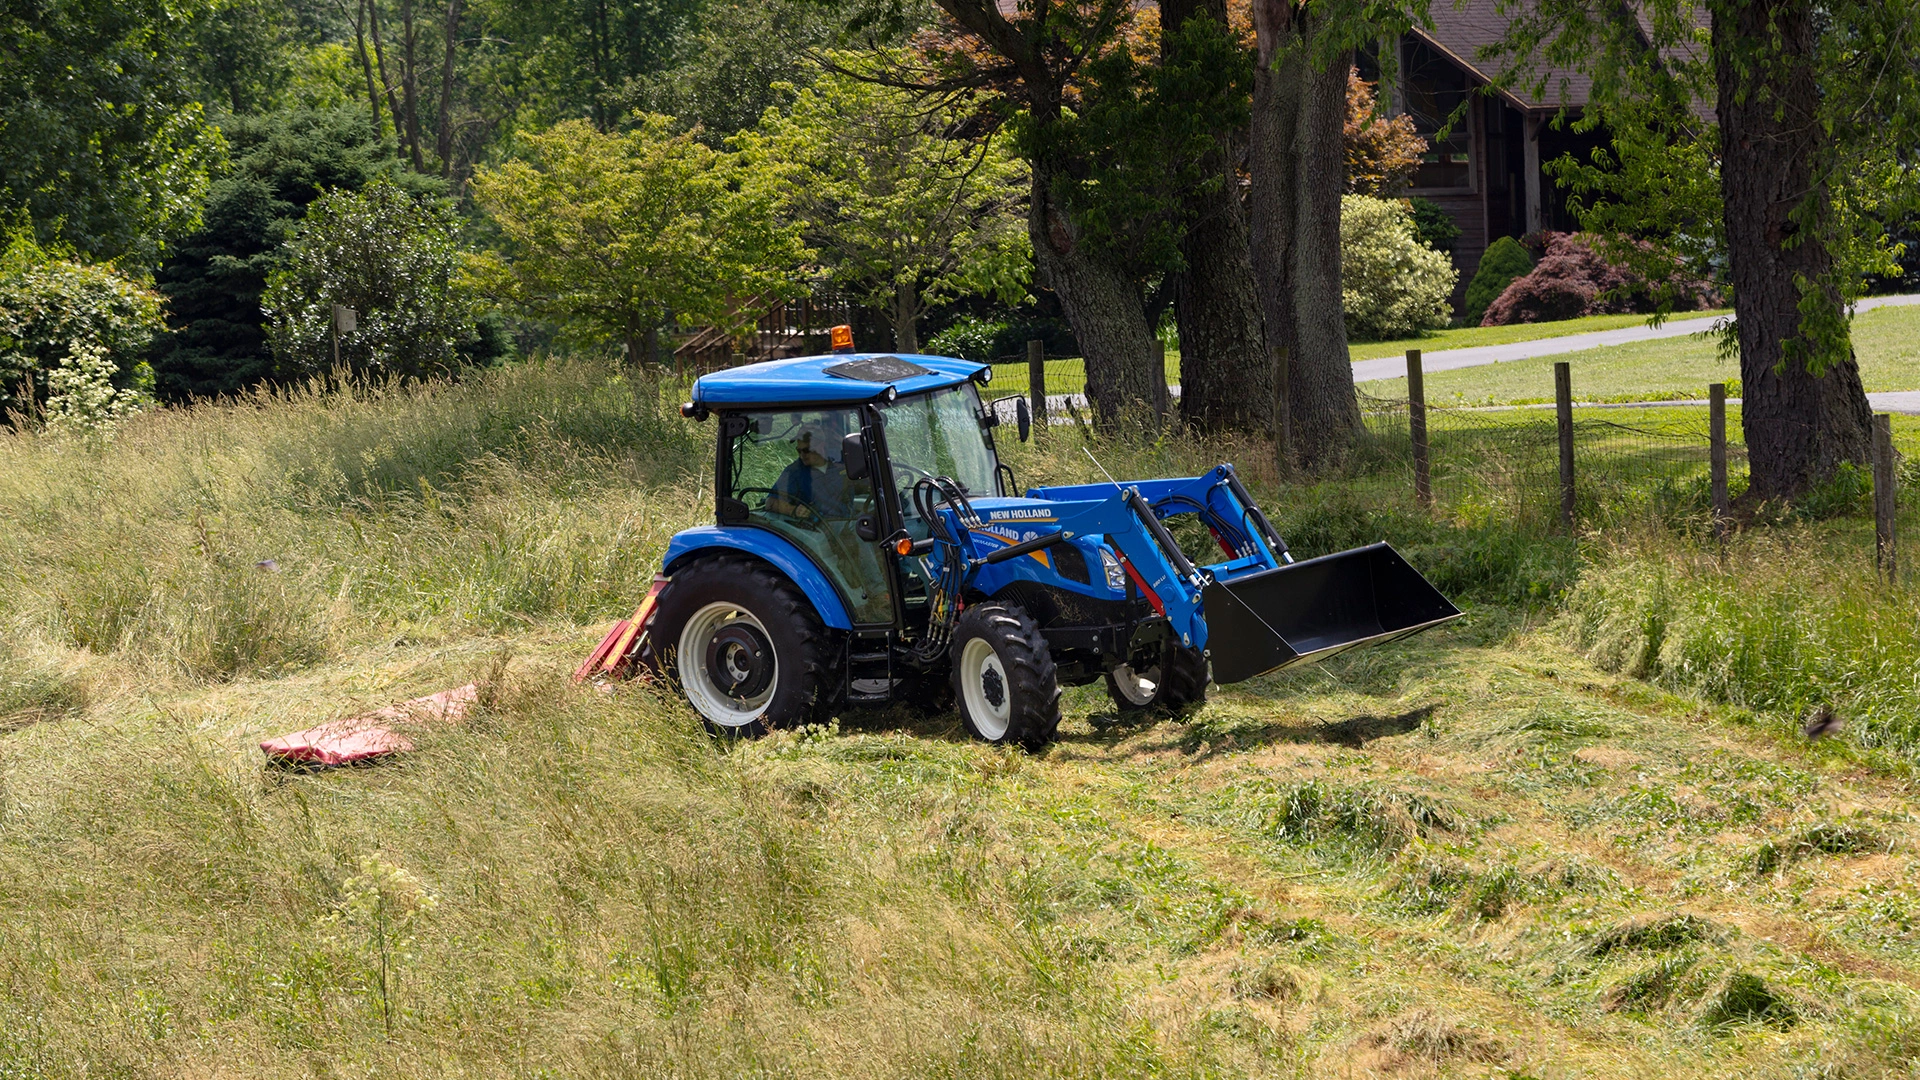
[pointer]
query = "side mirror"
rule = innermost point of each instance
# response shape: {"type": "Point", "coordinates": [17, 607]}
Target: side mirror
{"type": "Point", "coordinates": [853, 456]}
{"type": "Point", "coordinates": [1024, 417]}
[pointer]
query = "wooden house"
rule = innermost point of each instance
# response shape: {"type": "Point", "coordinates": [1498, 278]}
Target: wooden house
{"type": "Point", "coordinates": [1487, 171]}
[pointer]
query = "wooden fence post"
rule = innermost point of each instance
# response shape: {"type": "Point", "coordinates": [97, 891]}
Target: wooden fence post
{"type": "Point", "coordinates": [1037, 381]}
{"type": "Point", "coordinates": [1417, 429]}
{"type": "Point", "coordinates": [1717, 455]}
{"type": "Point", "coordinates": [1885, 506]}
{"type": "Point", "coordinates": [1563, 405]}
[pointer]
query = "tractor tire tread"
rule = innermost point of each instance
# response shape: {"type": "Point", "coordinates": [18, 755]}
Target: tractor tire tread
{"type": "Point", "coordinates": [1034, 682]}
{"type": "Point", "coordinates": [785, 611]}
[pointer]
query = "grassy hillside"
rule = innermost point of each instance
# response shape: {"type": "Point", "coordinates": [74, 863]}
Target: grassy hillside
{"type": "Point", "coordinates": [1492, 851]}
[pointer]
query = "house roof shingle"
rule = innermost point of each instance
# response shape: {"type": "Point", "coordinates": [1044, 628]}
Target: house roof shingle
{"type": "Point", "coordinates": [1462, 30]}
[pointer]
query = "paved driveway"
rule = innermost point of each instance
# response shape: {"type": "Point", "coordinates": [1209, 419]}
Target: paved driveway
{"type": "Point", "coordinates": [1394, 367]}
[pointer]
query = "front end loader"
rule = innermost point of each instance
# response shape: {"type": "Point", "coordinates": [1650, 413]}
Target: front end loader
{"type": "Point", "coordinates": [869, 547]}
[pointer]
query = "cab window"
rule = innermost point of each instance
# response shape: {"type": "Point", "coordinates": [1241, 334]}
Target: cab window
{"type": "Point", "coordinates": [786, 468]}
{"type": "Point", "coordinates": [940, 434]}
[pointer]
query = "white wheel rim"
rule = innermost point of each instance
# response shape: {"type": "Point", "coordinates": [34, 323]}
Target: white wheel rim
{"type": "Point", "coordinates": [703, 692]}
{"type": "Point", "coordinates": [1138, 687]}
{"type": "Point", "coordinates": [980, 670]}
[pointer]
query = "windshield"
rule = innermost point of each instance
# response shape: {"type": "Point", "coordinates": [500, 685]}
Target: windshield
{"type": "Point", "coordinates": [939, 434]}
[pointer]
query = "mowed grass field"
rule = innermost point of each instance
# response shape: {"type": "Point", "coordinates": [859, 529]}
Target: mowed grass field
{"type": "Point", "coordinates": [1572, 834]}
{"type": "Point", "coordinates": [1886, 343]}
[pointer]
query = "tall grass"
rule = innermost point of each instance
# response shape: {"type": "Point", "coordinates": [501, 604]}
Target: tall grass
{"type": "Point", "coordinates": [576, 884]}
{"type": "Point", "coordinates": [257, 537]}
{"type": "Point", "coordinates": [1474, 550]}
{"type": "Point", "coordinates": [1787, 620]}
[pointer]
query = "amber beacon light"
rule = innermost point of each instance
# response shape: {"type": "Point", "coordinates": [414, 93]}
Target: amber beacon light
{"type": "Point", "coordinates": [841, 337]}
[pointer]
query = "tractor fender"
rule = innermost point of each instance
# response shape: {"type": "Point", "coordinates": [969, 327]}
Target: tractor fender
{"type": "Point", "coordinates": [775, 549]}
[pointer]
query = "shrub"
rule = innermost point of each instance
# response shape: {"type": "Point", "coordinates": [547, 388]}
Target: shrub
{"type": "Point", "coordinates": [1392, 285]}
{"type": "Point", "coordinates": [969, 338]}
{"type": "Point", "coordinates": [993, 340]}
{"type": "Point", "coordinates": [71, 338]}
{"type": "Point", "coordinates": [1435, 227]}
{"type": "Point", "coordinates": [214, 277]}
{"type": "Point", "coordinates": [1572, 279]}
{"type": "Point", "coordinates": [1505, 261]}
{"type": "Point", "coordinates": [390, 257]}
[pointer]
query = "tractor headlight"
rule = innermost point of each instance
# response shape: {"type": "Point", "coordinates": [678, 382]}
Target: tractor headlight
{"type": "Point", "coordinates": [1116, 574]}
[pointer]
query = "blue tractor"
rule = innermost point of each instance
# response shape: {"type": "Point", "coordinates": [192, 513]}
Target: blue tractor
{"type": "Point", "coordinates": [869, 546]}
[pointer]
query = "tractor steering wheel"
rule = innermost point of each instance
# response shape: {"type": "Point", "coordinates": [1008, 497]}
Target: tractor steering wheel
{"type": "Point", "coordinates": [810, 521]}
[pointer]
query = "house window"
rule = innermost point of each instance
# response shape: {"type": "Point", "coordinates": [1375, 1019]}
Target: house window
{"type": "Point", "coordinates": [1435, 90]}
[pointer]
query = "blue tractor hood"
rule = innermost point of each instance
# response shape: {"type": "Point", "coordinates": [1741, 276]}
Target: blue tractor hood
{"type": "Point", "coordinates": [839, 378]}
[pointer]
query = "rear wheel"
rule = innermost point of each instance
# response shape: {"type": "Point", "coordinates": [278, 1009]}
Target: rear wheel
{"type": "Point", "coordinates": [1004, 678]}
{"type": "Point", "coordinates": [1175, 683]}
{"type": "Point", "coordinates": [743, 645]}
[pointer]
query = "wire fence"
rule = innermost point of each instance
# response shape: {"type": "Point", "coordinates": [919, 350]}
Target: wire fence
{"type": "Point", "coordinates": [1506, 459]}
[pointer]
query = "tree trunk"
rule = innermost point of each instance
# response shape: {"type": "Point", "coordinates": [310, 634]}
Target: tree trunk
{"type": "Point", "coordinates": [1103, 304]}
{"type": "Point", "coordinates": [1298, 163]}
{"type": "Point", "coordinates": [366, 62]}
{"type": "Point", "coordinates": [443, 132]}
{"type": "Point", "coordinates": [1325, 412]}
{"type": "Point", "coordinates": [906, 317]}
{"type": "Point", "coordinates": [1799, 426]}
{"type": "Point", "coordinates": [410, 82]}
{"type": "Point", "coordinates": [1226, 376]}
{"type": "Point", "coordinates": [380, 58]}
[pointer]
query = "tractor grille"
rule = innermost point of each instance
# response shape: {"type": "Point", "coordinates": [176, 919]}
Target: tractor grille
{"type": "Point", "coordinates": [1070, 563]}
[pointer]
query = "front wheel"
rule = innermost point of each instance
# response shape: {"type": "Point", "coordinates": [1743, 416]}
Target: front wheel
{"type": "Point", "coordinates": [1175, 683]}
{"type": "Point", "coordinates": [1004, 678]}
{"type": "Point", "coordinates": [744, 646]}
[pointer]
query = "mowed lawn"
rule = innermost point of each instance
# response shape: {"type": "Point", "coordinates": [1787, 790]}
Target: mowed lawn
{"type": "Point", "coordinates": [1886, 341]}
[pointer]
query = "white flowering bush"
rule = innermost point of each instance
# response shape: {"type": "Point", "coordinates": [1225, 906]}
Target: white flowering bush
{"type": "Point", "coordinates": [82, 398]}
{"type": "Point", "coordinates": [1391, 284]}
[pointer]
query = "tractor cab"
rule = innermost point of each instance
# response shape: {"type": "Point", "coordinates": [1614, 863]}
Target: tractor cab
{"type": "Point", "coordinates": [824, 453]}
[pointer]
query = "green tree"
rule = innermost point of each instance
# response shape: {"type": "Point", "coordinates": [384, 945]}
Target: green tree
{"type": "Point", "coordinates": [214, 277]}
{"type": "Point", "coordinates": [390, 256]}
{"type": "Point", "coordinates": [72, 336]}
{"type": "Point", "coordinates": [904, 211]}
{"type": "Point", "coordinates": [102, 141]}
{"type": "Point", "coordinates": [612, 236]}
{"type": "Point", "coordinates": [733, 61]}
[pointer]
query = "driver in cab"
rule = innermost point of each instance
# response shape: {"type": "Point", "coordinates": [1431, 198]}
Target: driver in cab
{"type": "Point", "coordinates": [814, 486]}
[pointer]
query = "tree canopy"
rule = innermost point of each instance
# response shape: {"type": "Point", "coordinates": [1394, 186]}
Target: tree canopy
{"type": "Point", "coordinates": [904, 207]}
{"type": "Point", "coordinates": [103, 142]}
{"type": "Point", "coordinates": [614, 235]}
{"type": "Point", "coordinates": [388, 255]}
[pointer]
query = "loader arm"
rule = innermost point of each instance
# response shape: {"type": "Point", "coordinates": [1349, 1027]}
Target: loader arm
{"type": "Point", "coordinates": [1256, 610]}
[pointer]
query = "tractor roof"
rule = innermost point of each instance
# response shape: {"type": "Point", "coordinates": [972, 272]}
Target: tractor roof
{"type": "Point", "coordinates": [840, 377]}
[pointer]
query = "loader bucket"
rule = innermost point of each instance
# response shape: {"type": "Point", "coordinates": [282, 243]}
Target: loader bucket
{"type": "Point", "coordinates": [1304, 612]}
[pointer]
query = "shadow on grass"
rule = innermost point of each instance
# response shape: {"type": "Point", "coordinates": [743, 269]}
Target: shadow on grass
{"type": "Point", "coordinates": [1203, 741]}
